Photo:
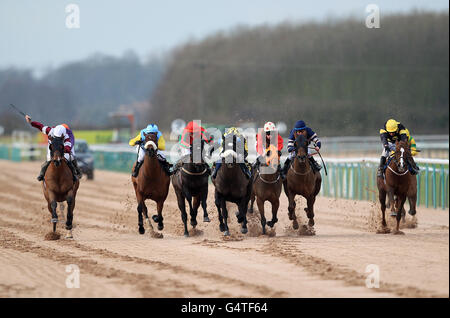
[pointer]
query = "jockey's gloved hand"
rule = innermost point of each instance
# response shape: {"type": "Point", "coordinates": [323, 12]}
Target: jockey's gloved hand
{"type": "Point", "coordinates": [386, 147]}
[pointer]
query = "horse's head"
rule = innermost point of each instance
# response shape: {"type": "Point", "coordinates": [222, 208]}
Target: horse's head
{"type": "Point", "coordinates": [233, 150]}
{"type": "Point", "coordinates": [301, 148]}
{"type": "Point", "coordinates": [151, 143]}
{"type": "Point", "coordinates": [57, 150]}
{"type": "Point", "coordinates": [402, 155]}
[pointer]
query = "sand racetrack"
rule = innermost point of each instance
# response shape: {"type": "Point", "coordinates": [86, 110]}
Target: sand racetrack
{"type": "Point", "coordinates": [115, 261]}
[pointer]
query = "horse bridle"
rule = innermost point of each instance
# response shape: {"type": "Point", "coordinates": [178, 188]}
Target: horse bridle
{"type": "Point", "coordinates": [398, 164]}
{"type": "Point", "coordinates": [194, 173]}
{"type": "Point", "coordinates": [266, 181]}
{"type": "Point", "coordinates": [52, 151]}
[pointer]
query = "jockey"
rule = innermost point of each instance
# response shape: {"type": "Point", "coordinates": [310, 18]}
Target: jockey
{"type": "Point", "coordinates": [271, 133]}
{"type": "Point", "coordinates": [69, 141]}
{"type": "Point", "coordinates": [161, 143]}
{"type": "Point", "coordinates": [301, 128]}
{"type": "Point", "coordinates": [392, 132]}
{"type": "Point", "coordinates": [190, 133]}
{"type": "Point", "coordinates": [233, 131]}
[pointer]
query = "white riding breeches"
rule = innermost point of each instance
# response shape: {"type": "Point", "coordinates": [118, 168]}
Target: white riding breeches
{"type": "Point", "coordinates": [386, 153]}
{"type": "Point", "coordinates": [141, 154]}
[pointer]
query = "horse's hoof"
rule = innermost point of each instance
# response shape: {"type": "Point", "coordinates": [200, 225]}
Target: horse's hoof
{"type": "Point", "coordinates": [384, 230]}
{"type": "Point", "coordinates": [412, 212]}
{"type": "Point", "coordinates": [194, 223]}
{"type": "Point", "coordinates": [206, 219]}
{"type": "Point", "coordinates": [54, 220]}
{"type": "Point", "coordinates": [155, 218]}
{"type": "Point", "coordinates": [393, 213]}
{"type": "Point", "coordinates": [227, 233]}
{"type": "Point", "coordinates": [398, 233]}
{"type": "Point", "coordinates": [141, 230]}
{"type": "Point", "coordinates": [222, 227]}
{"type": "Point", "coordinates": [311, 222]}
{"type": "Point", "coordinates": [186, 234]}
{"type": "Point", "coordinates": [295, 225]}
{"type": "Point", "coordinates": [270, 223]}
{"type": "Point", "coordinates": [160, 227]}
{"type": "Point", "coordinates": [244, 230]}
{"type": "Point", "coordinates": [69, 236]}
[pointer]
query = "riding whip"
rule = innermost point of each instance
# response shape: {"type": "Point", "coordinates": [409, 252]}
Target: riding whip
{"type": "Point", "coordinates": [324, 166]}
{"type": "Point", "coordinates": [18, 110]}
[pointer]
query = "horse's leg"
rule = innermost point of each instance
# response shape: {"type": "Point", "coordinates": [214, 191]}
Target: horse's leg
{"type": "Point", "coordinates": [52, 208]}
{"type": "Point", "coordinates": [412, 204]}
{"type": "Point", "coordinates": [243, 206]}
{"type": "Point", "coordinates": [275, 206]}
{"type": "Point", "coordinates": [203, 198]}
{"type": "Point", "coordinates": [382, 198]}
{"type": "Point", "coordinates": [401, 202]}
{"type": "Point", "coordinates": [217, 201]}
{"type": "Point", "coordinates": [223, 206]}
{"type": "Point", "coordinates": [252, 201]}
{"type": "Point", "coordinates": [393, 202]}
{"type": "Point", "coordinates": [159, 207]}
{"type": "Point", "coordinates": [140, 209]}
{"type": "Point", "coordinates": [70, 207]}
{"type": "Point", "coordinates": [291, 210]}
{"type": "Point", "coordinates": [260, 204]}
{"type": "Point", "coordinates": [193, 207]}
{"type": "Point", "coordinates": [182, 207]}
{"type": "Point", "coordinates": [310, 210]}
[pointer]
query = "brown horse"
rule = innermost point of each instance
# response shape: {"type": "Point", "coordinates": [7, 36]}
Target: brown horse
{"type": "Point", "coordinates": [58, 185]}
{"type": "Point", "coordinates": [396, 183]}
{"type": "Point", "coordinates": [190, 183]}
{"type": "Point", "coordinates": [152, 183]}
{"type": "Point", "coordinates": [301, 179]}
{"type": "Point", "coordinates": [267, 185]}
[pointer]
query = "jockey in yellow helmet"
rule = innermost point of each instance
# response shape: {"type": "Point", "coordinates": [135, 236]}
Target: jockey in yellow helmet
{"type": "Point", "coordinates": [392, 132]}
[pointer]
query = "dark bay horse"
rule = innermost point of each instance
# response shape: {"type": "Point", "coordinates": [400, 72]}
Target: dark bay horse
{"type": "Point", "coordinates": [58, 185]}
{"type": "Point", "coordinates": [267, 184]}
{"type": "Point", "coordinates": [231, 184]}
{"type": "Point", "coordinates": [302, 180]}
{"type": "Point", "coordinates": [152, 183]}
{"type": "Point", "coordinates": [396, 183]}
{"type": "Point", "coordinates": [190, 183]}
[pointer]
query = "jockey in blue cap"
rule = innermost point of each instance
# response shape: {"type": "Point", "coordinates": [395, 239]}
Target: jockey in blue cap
{"type": "Point", "coordinates": [301, 128]}
{"type": "Point", "coordinates": [161, 143]}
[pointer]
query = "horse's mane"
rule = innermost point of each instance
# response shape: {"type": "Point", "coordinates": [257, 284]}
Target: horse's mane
{"type": "Point", "coordinates": [403, 144]}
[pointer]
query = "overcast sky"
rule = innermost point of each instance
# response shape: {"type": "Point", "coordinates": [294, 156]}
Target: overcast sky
{"type": "Point", "coordinates": [34, 33]}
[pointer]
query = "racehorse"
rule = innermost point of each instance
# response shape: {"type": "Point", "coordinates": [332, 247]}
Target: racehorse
{"type": "Point", "coordinates": [302, 180]}
{"type": "Point", "coordinates": [232, 184]}
{"type": "Point", "coordinates": [58, 185]}
{"type": "Point", "coordinates": [397, 182]}
{"type": "Point", "coordinates": [267, 186]}
{"type": "Point", "coordinates": [190, 183]}
{"type": "Point", "coordinates": [152, 183]}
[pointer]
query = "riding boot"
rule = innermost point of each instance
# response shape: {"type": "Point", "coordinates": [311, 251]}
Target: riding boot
{"type": "Point", "coordinates": [414, 169]}
{"type": "Point", "coordinates": [315, 164]}
{"type": "Point", "coordinates": [72, 168]}
{"type": "Point", "coordinates": [208, 169]}
{"type": "Point", "coordinates": [380, 170]}
{"type": "Point", "coordinates": [166, 166]}
{"type": "Point", "coordinates": [285, 168]}
{"type": "Point", "coordinates": [216, 168]}
{"type": "Point", "coordinates": [77, 169]}
{"type": "Point", "coordinates": [43, 170]}
{"type": "Point", "coordinates": [136, 169]}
